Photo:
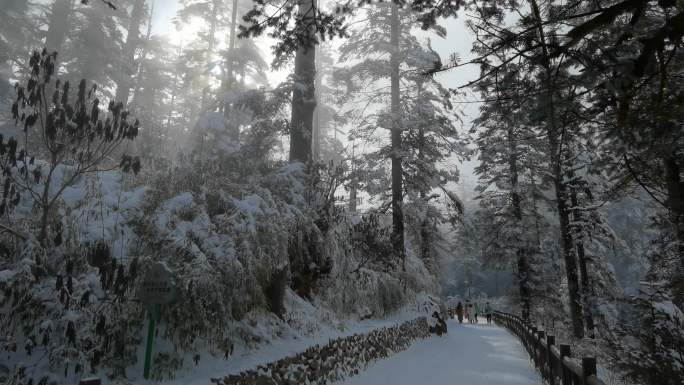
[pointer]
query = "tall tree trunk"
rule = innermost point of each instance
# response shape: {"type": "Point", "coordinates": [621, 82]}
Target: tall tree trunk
{"type": "Point", "coordinates": [584, 273]}
{"type": "Point", "coordinates": [317, 114]}
{"type": "Point", "coordinates": [211, 44]}
{"type": "Point", "coordinates": [143, 55]}
{"type": "Point", "coordinates": [426, 241]}
{"type": "Point", "coordinates": [535, 212]}
{"type": "Point", "coordinates": [94, 30]}
{"type": "Point", "coordinates": [231, 45]}
{"type": "Point", "coordinates": [58, 25]}
{"type": "Point", "coordinates": [675, 202]}
{"type": "Point", "coordinates": [303, 92]}
{"type": "Point", "coordinates": [353, 183]}
{"type": "Point", "coordinates": [568, 250]}
{"type": "Point", "coordinates": [15, 45]}
{"type": "Point", "coordinates": [352, 195]}
{"type": "Point", "coordinates": [556, 160]}
{"type": "Point", "coordinates": [230, 71]}
{"type": "Point", "coordinates": [675, 194]}
{"type": "Point", "coordinates": [425, 230]}
{"type": "Point", "coordinates": [174, 90]}
{"type": "Point", "coordinates": [395, 108]}
{"type": "Point", "coordinates": [123, 87]}
{"type": "Point", "coordinates": [521, 251]}
{"type": "Point", "coordinates": [5, 75]}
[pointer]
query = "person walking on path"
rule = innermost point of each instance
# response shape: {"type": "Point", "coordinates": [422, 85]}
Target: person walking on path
{"type": "Point", "coordinates": [477, 310]}
{"type": "Point", "coordinates": [459, 312]}
{"type": "Point", "coordinates": [488, 312]}
{"type": "Point", "coordinates": [467, 311]}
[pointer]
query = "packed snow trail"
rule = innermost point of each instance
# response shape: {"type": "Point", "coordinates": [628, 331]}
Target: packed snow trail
{"type": "Point", "coordinates": [478, 354]}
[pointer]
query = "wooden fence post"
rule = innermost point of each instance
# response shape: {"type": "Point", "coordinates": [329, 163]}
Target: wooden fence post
{"type": "Point", "coordinates": [588, 368]}
{"type": "Point", "coordinates": [565, 376]}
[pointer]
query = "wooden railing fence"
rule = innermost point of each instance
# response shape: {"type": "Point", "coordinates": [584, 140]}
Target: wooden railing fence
{"type": "Point", "coordinates": [553, 361]}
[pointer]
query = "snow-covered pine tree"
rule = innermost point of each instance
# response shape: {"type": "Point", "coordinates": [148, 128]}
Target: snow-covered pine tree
{"type": "Point", "coordinates": [303, 83]}
{"type": "Point", "coordinates": [157, 100]}
{"type": "Point", "coordinates": [17, 37]}
{"type": "Point", "coordinates": [214, 17]}
{"type": "Point", "coordinates": [242, 67]}
{"type": "Point", "coordinates": [430, 142]}
{"type": "Point", "coordinates": [420, 107]}
{"type": "Point", "coordinates": [93, 42]}
{"type": "Point", "coordinates": [511, 154]}
{"type": "Point", "coordinates": [127, 61]}
{"type": "Point", "coordinates": [326, 144]}
{"type": "Point", "coordinates": [548, 85]}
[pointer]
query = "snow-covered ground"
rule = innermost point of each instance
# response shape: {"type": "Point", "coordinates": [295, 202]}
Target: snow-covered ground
{"type": "Point", "coordinates": [469, 355]}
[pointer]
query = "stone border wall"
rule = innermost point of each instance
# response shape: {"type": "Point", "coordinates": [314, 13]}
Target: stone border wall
{"type": "Point", "coordinates": [336, 360]}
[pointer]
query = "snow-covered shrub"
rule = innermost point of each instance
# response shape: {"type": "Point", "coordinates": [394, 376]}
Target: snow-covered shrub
{"type": "Point", "coordinates": [64, 296]}
{"type": "Point", "coordinates": [240, 244]}
{"type": "Point", "coordinates": [390, 295]}
{"type": "Point", "coordinates": [73, 137]}
{"type": "Point", "coordinates": [70, 312]}
{"type": "Point", "coordinates": [649, 343]}
{"type": "Point", "coordinates": [650, 349]}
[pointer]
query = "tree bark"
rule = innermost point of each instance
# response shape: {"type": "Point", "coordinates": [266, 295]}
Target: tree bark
{"type": "Point", "coordinates": [231, 45]}
{"type": "Point", "coordinates": [58, 25]}
{"type": "Point", "coordinates": [174, 90]}
{"type": "Point", "coordinates": [521, 251]}
{"type": "Point", "coordinates": [568, 249]}
{"type": "Point", "coordinates": [15, 45]}
{"type": "Point", "coordinates": [395, 108]}
{"type": "Point", "coordinates": [425, 238]}
{"type": "Point", "coordinates": [555, 158]}
{"type": "Point", "coordinates": [675, 202]}
{"type": "Point", "coordinates": [123, 87]}
{"type": "Point", "coordinates": [352, 195]}
{"type": "Point", "coordinates": [143, 55]}
{"type": "Point", "coordinates": [317, 115]}
{"type": "Point", "coordinates": [303, 92]}
{"type": "Point", "coordinates": [230, 72]}
{"type": "Point", "coordinates": [211, 44]}
{"type": "Point", "coordinates": [675, 193]}
{"type": "Point", "coordinates": [584, 274]}
{"type": "Point", "coordinates": [353, 183]}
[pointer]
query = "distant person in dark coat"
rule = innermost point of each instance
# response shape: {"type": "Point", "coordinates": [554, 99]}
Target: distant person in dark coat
{"type": "Point", "coordinates": [459, 312]}
{"type": "Point", "coordinates": [488, 312]}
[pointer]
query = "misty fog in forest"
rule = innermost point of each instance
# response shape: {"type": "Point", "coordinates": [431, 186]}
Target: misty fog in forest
{"type": "Point", "coordinates": [333, 191]}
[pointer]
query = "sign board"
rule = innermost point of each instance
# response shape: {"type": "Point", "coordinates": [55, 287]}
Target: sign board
{"type": "Point", "coordinates": [158, 285]}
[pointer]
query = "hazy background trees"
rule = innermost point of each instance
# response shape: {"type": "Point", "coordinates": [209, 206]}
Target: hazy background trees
{"type": "Point", "coordinates": [552, 178]}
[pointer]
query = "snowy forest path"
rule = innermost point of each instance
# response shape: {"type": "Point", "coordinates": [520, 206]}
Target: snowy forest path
{"type": "Point", "coordinates": [470, 354]}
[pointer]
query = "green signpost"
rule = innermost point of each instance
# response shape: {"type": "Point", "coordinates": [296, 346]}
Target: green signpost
{"type": "Point", "coordinates": [154, 316]}
{"type": "Point", "coordinates": [158, 288]}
